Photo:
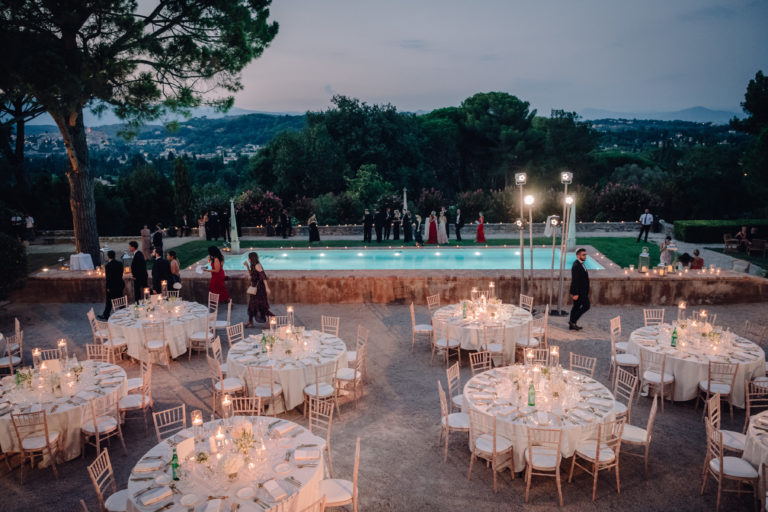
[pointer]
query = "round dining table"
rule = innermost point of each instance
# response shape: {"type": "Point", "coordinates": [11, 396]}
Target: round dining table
{"type": "Point", "coordinates": [246, 463]}
{"type": "Point", "coordinates": [181, 319]}
{"type": "Point", "coordinates": [65, 394]}
{"type": "Point", "coordinates": [469, 330]}
{"type": "Point", "coordinates": [565, 400]}
{"type": "Point", "coordinates": [689, 361]}
{"type": "Point", "coordinates": [293, 358]}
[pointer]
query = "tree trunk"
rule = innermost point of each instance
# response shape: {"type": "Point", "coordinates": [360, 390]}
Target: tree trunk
{"type": "Point", "coordinates": [81, 199]}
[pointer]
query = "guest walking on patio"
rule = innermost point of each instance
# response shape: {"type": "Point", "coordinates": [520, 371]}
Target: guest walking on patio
{"type": "Point", "coordinates": [113, 272]}
{"type": "Point", "coordinates": [258, 302]}
{"type": "Point", "coordinates": [579, 289]}
{"type": "Point", "coordinates": [216, 284]}
{"type": "Point", "coordinates": [138, 270]}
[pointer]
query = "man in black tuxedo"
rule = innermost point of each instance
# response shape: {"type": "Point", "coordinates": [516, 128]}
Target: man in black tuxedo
{"type": "Point", "coordinates": [579, 289]}
{"type": "Point", "coordinates": [157, 238]}
{"type": "Point", "coordinates": [161, 271]}
{"type": "Point", "coordinates": [387, 224]}
{"type": "Point", "coordinates": [379, 219]}
{"type": "Point", "coordinates": [407, 228]}
{"type": "Point", "coordinates": [458, 224]}
{"type": "Point", "coordinates": [113, 272]}
{"type": "Point", "coordinates": [367, 226]}
{"type": "Point", "coordinates": [185, 228]}
{"type": "Point", "coordinates": [138, 271]}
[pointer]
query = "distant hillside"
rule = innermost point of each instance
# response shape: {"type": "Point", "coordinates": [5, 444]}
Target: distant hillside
{"type": "Point", "coordinates": [694, 115]}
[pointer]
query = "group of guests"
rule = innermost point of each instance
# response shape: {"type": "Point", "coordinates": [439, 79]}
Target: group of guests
{"type": "Point", "coordinates": [435, 230]}
{"type": "Point", "coordinates": [668, 249]}
{"type": "Point", "coordinates": [279, 226]}
{"type": "Point", "coordinates": [745, 237]}
{"type": "Point", "coordinates": [212, 226]}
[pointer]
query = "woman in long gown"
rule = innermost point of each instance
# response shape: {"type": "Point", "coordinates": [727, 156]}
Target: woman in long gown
{"type": "Point", "coordinates": [432, 228]}
{"type": "Point", "coordinates": [314, 233]}
{"type": "Point", "coordinates": [175, 269]}
{"type": "Point", "coordinates": [480, 230]}
{"type": "Point", "coordinates": [417, 230]}
{"type": "Point", "coordinates": [201, 227]}
{"type": "Point", "coordinates": [258, 304]}
{"type": "Point", "coordinates": [396, 225]}
{"type": "Point", "coordinates": [442, 232]}
{"type": "Point", "coordinates": [216, 284]}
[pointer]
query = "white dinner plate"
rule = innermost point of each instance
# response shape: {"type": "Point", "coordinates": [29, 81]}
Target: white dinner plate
{"type": "Point", "coordinates": [282, 468]}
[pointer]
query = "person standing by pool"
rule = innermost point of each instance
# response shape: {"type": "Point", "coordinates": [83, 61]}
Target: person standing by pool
{"type": "Point", "coordinates": [579, 289]}
{"type": "Point", "coordinates": [314, 233]}
{"type": "Point", "coordinates": [417, 230]}
{"type": "Point", "coordinates": [442, 233]}
{"type": "Point", "coordinates": [258, 303]}
{"type": "Point", "coordinates": [396, 225]}
{"type": "Point", "coordinates": [387, 224]}
{"type": "Point", "coordinates": [216, 284]}
{"type": "Point", "coordinates": [407, 233]}
{"type": "Point", "coordinates": [458, 224]}
{"type": "Point", "coordinates": [480, 238]}
{"type": "Point", "coordinates": [175, 268]}
{"type": "Point", "coordinates": [431, 228]}
{"type": "Point", "coordinates": [378, 224]}
{"type": "Point", "coordinates": [367, 226]}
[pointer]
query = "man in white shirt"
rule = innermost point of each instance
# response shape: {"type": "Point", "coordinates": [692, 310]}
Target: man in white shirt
{"type": "Point", "coordinates": [646, 221]}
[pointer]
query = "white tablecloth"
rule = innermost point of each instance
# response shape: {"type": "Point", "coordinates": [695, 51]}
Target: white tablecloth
{"type": "Point", "coordinates": [80, 261]}
{"type": "Point", "coordinates": [293, 371]}
{"type": "Point", "coordinates": [470, 332]}
{"type": "Point", "coordinates": [690, 366]}
{"type": "Point", "coordinates": [189, 319]}
{"type": "Point", "coordinates": [198, 479]}
{"type": "Point", "coordinates": [495, 393]}
{"type": "Point", "coordinates": [65, 413]}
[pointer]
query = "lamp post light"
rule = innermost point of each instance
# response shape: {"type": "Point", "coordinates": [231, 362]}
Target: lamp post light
{"type": "Point", "coordinates": [563, 246]}
{"type": "Point", "coordinates": [529, 200]}
{"type": "Point", "coordinates": [520, 179]}
{"type": "Point", "coordinates": [553, 221]}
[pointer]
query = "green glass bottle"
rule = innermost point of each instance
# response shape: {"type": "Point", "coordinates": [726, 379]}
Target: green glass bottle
{"type": "Point", "coordinates": [263, 344]}
{"type": "Point", "coordinates": [175, 465]}
{"type": "Point", "coordinates": [463, 309]}
{"type": "Point", "coordinates": [674, 337]}
{"type": "Point", "coordinates": [531, 395]}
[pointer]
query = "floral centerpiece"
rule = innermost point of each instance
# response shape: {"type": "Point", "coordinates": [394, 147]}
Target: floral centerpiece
{"type": "Point", "coordinates": [23, 378]}
{"type": "Point", "coordinates": [244, 441]}
{"type": "Point", "coordinates": [77, 371]}
{"type": "Point", "coordinates": [230, 464]}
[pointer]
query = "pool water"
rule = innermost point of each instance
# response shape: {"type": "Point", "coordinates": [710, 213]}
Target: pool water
{"type": "Point", "coordinates": [432, 258]}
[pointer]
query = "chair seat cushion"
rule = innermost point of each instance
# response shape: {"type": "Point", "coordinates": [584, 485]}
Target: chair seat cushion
{"type": "Point", "coordinates": [200, 336]}
{"type": "Point", "coordinates": [101, 334]}
{"type": "Point", "coordinates": [349, 374]}
{"type": "Point", "coordinates": [494, 348]}
{"type": "Point", "coordinates": [134, 383]}
{"type": "Point", "coordinates": [761, 382]}
{"type": "Point", "coordinates": [422, 328]}
{"type": "Point", "coordinates": [619, 407]}
{"type": "Point", "coordinates": [223, 368]}
{"type": "Point", "coordinates": [458, 400]}
{"type": "Point", "coordinates": [458, 420]}
{"type": "Point", "coordinates": [588, 450]}
{"type": "Point", "coordinates": [117, 502]}
{"type": "Point", "coordinates": [131, 401]}
{"type": "Point", "coordinates": [230, 385]}
{"type": "Point", "coordinates": [266, 392]}
{"type": "Point", "coordinates": [655, 377]}
{"type": "Point", "coordinates": [222, 324]}
{"type": "Point", "coordinates": [626, 360]}
{"type": "Point", "coordinates": [543, 457]}
{"type": "Point", "coordinates": [14, 347]}
{"type": "Point", "coordinates": [351, 357]}
{"type": "Point", "coordinates": [324, 389]}
{"type": "Point", "coordinates": [38, 442]}
{"type": "Point", "coordinates": [623, 346]}
{"type": "Point", "coordinates": [443, 343]}
{"type": "Point", "coordinates": [715, 387]}
{"type": "Point", "coordinates": [633, 434]}
{"type": "Point", "coordinates": [4, 361]}
{"type": "Point", "coordinates": [734, 466]}
{"type": "Point", "coordinates": [106, 425]}
{"type": "Point", "coordinates": [734, 440]}
{"type": "Point", "coordinates": [484, 443]}
{"type": "Point", "coordinates": [528, 342]}
{"type": "Point", "coordinates": [155, 344]}
{"type": "Point", "coordinates": [336, 490]}
{"type": "Point", "coordinates": [117, 342]}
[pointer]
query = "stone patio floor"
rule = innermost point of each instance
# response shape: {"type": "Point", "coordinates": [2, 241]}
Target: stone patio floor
{"type": "Point", "coordinates": [398, 422]}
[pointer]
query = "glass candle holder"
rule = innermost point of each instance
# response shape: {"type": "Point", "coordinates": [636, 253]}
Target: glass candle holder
{"type": "Point", "coordinates": [289, 309]}
{"type": "Point", "coordinates": [146, 294]}
{"type": "Point", "coordinates": [36, 358]}
{"type": "Point", "coordinates": [63, 352]}
{"type": "Point", "coordinates": [164, 289]}
{"type": "Point", "coordinates": [226, 407]}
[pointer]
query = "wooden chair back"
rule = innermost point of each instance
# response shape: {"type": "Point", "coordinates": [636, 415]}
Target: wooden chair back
{"type": "Point", "coordinates": [102, 477]}
{"type": "Point", "coordinates": [653, 316]}
{"type": "Point", "coordinates": [170, 421]}
{"type": "Point", "coordinates": [479, 362]}
{"type": "Point", "coordinates": [120, 303]}
{"type": "Point", "coordinates": [583, 364]}
{"type": "Point", "coordinates": [433, 302]}
{"type": "Point", "coordinates": [330, 324]}
{"type": "Point", "coordinates": [235, 333]}
{"type": "Point", "coordinates": [526, 302]}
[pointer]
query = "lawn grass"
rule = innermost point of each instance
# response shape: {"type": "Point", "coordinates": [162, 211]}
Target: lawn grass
{"type": "Point", "coordinates": [621, 250]}
{"type": "Point", "coordinates": [36, 262]}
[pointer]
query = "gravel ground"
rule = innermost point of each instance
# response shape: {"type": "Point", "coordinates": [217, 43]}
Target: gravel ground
{"type": "Point", "coordinates": [398, 422]}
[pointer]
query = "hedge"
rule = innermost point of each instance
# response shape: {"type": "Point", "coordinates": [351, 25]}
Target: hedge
{"type": "Point", "coordinates": [13, 261]}
{"type": "Point", "coordinates": [711, 231]}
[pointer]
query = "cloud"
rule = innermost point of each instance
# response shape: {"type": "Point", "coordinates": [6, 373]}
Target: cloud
{"type": "Point", "coordinates": [329, 90]}
{"type": "Point", "coordinates": [716, 12]}
{"type": "Point", "coordinates": [412, 44]}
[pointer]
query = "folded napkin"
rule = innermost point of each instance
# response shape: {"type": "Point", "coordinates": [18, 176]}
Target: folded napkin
{"type": "Point", "coordinates": [306, 454]}
{"type": "Point", "coordinates": [284, 427]}
{"type": "Point", "coordinates": [148, 466]}
{"type": "Point", "coordinates": [591, 386]}
{"type": "Point", "coordinates": [185, 449]}
{"type": "Point", "coordinates": [111, 382]}
{"type": "Point", "coordinates": [584, 415]}
{"type": "Point", "coordinates": [156, 495]}
{"type": "Point", "coordinates": [213, 506]}
{"type": "Point", "coordinates": [274, 490]}
{"type": "Point", "coordinates": [602, 402]}
{"type": "Point", "coordinates": [482, 396]}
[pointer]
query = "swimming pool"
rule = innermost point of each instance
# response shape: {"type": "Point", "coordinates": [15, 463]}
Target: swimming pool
{"type": "Point", "coordinates": [431, 258]}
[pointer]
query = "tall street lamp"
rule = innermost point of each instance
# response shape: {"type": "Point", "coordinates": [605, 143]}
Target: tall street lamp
{"type": "Point", "coordinates": [563, 246]}
{"type": "Point", "coordinates": [520, 179]}
{"type": "Point", "coordinates": [566, 178]}
{"type": "Point", "coordinates": [553, 221]}
{"type": "Point", "coordinates": [529, 203]}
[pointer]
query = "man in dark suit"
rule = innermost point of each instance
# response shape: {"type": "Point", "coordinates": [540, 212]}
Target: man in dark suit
{"type": "Point", "coordinates": [367, 226]}
{"type": "Point", "coordinates": [407, 228]}
{"type": "Point", "coordinates": [138, 271]}
{"type": "Point", "coordinates": [387, 224]}
{"type": "Point", "coordinates": [379, 219]}
{"type": "Point", "coordinates": [161, 271]}
{"type": "Point", "coordinates": [157, 238]}
{"type": "Point", "coordinates": [113, 271]}
{"type": "Point", "coordinates": [579, 289]}
{"type": "Point", "coordinates": [458, 224]}
{"type": "Point", "coordinates": [284, 223]}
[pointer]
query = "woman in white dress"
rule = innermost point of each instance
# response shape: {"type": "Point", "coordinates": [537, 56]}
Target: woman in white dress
{"type": "Point", "coordinates": [442, 232]}
{"type": "Point", "coordinates": [201, 227]}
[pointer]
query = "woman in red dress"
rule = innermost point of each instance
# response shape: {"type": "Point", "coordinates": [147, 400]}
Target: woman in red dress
{"type": "Point", "coordinates": [216, 285]}
{"type": "Point", "coordinates": [432, 239]}
{"type": "Point", "coordinates": [480, 232]}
